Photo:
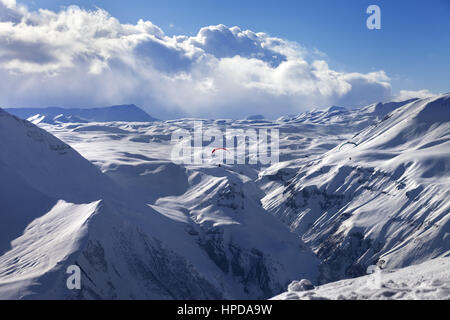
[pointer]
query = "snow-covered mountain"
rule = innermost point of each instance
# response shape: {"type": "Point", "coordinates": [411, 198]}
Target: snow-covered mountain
{"type": "Point", "coordinates": [379, 198]}
{"type": "Point", "coordinates": [54, 115]}
{"type": "Point", "coordinates": [57, 206]}
{"type": "Point", "coordinates": [355, 119]}
{"type": "Point", "coordinates": [353, 188]}
{"type": "Point", "coordinates": [60, 210]}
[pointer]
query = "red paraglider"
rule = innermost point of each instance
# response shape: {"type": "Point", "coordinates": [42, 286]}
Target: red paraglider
{"type": "Point", "coordinates": [214, 151]}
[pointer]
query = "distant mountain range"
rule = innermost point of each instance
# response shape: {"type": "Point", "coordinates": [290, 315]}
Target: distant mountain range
{"type": "Point", "coordinates": [353, 119]}
{"type": "Point", "coordinates": [51, 115]}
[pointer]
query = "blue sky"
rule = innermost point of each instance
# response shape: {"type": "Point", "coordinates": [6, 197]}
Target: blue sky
{"type": "Point", "coordinates": [186, 58]}
{"type": "Point", "coordinates": [413, 46]}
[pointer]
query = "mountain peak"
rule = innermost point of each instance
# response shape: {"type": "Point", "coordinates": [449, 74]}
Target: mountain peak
{"type": "Point", "coordinates": [336, 109]}
{"type": "Point", "coordinates": [255, 117]}
{"type": "Point", "coordinates": [435, 111]}
{"type": "Point", "coordinates": [124, 113]}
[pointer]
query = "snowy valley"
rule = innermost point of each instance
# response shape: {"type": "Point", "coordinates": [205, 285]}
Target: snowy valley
{"type": "Point", "coordinates": [353, 189]}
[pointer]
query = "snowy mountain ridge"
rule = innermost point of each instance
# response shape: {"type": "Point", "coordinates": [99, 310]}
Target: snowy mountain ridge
{"type": "Point", "coordinates": [353, 189]}
{"type": "Point", "coordinates": [356, 118]}
{"type": "Point", "coordinates": [53, 115]}
{"type": "Point", "coordinates": [61, 210]}
{"type": "Point", "coordinates": [382, 200]}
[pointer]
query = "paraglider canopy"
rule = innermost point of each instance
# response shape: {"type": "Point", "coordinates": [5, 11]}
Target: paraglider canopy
{"type": "Point", "coordinates": [348, 143]}
{"type": "Point", "coordinates": [217, 149]}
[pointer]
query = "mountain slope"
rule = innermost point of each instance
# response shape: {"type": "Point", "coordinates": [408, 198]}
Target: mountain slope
{"type": "Point", "coordinates": [78, 204]}
{"type": "Point", "coordinates": [37, 171]}
{"type": "Point", "coordinates": [356, 119]}
{"type": "Point", "coordinates": [427, 281]}
{"type": "Point", "coordinates": [381, 200]}
{"type": "Point", "coordinates": [61, 210]}
{"type": "Point", "coordinates": [237, 234]}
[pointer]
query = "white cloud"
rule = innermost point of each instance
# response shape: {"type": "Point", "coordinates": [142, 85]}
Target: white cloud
{"type": "Point", "coordinates": [88, 58]}
{"type": "Point", "coordinates": [10, 11]}
{"type": "Point", "coordinates": [404, 95]}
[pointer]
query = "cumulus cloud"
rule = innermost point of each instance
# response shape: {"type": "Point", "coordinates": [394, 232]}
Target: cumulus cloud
{"type": "Point", "coordinates": [404, 95]}
{"type": "Point", "coordinates": [10, 11]}
{"type": "Point", "coordinates": [77, 57]}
